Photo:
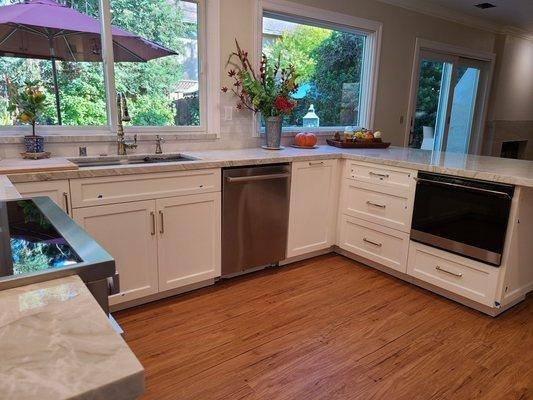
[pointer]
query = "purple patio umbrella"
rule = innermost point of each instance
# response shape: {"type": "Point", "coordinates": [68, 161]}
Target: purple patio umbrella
{"type": "Point", "coordinates": [45, 29]}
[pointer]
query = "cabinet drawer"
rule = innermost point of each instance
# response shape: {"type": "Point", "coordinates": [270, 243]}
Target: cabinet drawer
{"type": "Point", "coordinates": [386, 177]}
{"type": "Point", "coordinates": [365, 202]}
{"type": "Point", "coordinates": [382, 245]}
{"type": "Point", "coordinates": [119, 189]}
{"type": "Point", "coordinates": [471, 279]}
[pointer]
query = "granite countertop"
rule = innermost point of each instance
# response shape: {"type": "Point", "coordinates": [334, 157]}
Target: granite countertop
{"type": "Point", "coordinates": [57, 343]}
{"type": "Point", "coordinates": [517, 172]}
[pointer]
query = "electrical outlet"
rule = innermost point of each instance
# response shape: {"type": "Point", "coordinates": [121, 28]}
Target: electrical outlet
{"type": "Point", "coordinates": [228, 113]}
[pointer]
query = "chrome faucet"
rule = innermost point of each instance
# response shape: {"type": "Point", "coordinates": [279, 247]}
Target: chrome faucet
{"type": "Point", "coordinates": [123, 144]}
{"type": "Point", "coordinates": [158, 141]}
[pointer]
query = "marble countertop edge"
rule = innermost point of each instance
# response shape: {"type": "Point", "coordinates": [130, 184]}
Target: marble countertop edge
{"type": "Point", "coordinates": [516, 172]}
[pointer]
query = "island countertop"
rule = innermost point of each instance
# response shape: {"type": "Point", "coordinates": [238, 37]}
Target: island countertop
{"type": "Point", "coordinates": [516, 172]}
{"type": "Point", "coordinates": [57, 343]}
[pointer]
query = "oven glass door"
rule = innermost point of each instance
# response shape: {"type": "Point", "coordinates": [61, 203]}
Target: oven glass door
{"type": "Point", "coordinates": [467, 221]}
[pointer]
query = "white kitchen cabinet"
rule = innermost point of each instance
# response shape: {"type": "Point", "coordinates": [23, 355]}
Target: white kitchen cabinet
{"type": "Point", "coordinates": [313, 206]}
{"type": "Point", "coordinates": [468, 278]}
{"type": "Point", "coordinates": [188, 239]}
{"type": "Point", "coordinates": [128, 232]}
{"type": "Point", "coordinates": [58, 191]}
{"type": "Point", "coordinates": [380, 244]}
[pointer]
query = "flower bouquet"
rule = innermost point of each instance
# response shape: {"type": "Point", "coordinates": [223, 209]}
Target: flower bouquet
{"type": "Point", "coordinates": [267, 92]}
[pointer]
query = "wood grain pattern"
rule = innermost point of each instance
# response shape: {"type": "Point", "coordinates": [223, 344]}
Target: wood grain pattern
{"type": "Point", "coordinates": [328, 328]}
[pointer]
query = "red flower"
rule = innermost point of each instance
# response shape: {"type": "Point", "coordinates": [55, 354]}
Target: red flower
{"type": "Point", "coordinates": [284, 105]}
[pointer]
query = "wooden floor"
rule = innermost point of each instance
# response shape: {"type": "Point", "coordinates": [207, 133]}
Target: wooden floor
{"type": "Point", "coordinates": [328, 328]}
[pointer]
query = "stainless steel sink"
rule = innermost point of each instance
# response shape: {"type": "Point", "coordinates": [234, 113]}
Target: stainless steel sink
{"type": "Point", "coordinates": [105, 161]}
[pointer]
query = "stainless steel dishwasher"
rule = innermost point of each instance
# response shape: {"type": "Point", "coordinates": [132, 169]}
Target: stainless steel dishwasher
{"type": "Point", "coordinates": [255, 215]}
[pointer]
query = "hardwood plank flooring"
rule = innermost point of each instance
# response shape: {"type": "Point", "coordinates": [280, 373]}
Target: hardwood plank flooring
{"type": "Point", "coordinates": [328, 328]}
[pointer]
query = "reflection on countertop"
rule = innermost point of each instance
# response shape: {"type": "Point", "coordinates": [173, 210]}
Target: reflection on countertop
{"type": "Point", "coordinates": [57, 343]}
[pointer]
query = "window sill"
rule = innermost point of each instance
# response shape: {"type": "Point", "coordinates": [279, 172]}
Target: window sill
{"type": "Point", "coordinates": [83, 138]}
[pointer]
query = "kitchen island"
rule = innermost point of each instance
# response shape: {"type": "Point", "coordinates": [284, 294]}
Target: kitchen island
{"type": "Point", "coordinates": [57, 343]}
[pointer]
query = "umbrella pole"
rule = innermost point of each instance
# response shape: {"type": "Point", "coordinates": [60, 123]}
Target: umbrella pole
{"type": "Point", "coordinates": [56, 91]}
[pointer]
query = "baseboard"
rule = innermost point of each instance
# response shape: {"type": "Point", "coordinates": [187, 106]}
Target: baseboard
{"type": "Point", "coordinates": [492, 311]}
{"type": "Point", "coordinates": [302, 257]}
{"type": "Point", "coordinates": [160, 295]}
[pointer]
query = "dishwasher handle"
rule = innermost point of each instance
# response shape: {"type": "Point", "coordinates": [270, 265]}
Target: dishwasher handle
{"type": "Point", "coordinates": [231, 179]}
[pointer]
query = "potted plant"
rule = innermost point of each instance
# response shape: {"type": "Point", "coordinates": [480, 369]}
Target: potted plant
{"type": "Point", "coordinates": [267, 92]}
{"type": "Point", "coordinates": [28, 104]}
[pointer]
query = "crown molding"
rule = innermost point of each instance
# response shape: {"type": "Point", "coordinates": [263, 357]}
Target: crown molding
{"type": "Point", "coordinates": [437, 11]}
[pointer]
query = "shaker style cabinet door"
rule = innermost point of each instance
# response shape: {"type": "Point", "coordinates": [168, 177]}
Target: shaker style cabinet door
{"type": "Point", "coordinates": [128, 232]}
{"type": "Point", "coordinates": [188, 239]}
{"type": "Point", "coordinates": [313, 206]}
{"type": "Point", "coordinates": [58, 191]}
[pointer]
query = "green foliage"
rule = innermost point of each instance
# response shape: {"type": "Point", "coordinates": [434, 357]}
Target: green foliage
{"type": "Point", "coordinates": [297, 48]}
{"type": "Point", "coordinates": [339, 62]}
{"type": "Point", "coordinates": [81, 85]}
{"type": "Point", "coordinates": [427, 102]}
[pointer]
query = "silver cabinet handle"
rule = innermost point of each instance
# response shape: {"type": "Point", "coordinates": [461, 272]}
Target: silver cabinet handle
{"type": "Point", "coordinates": [376, 204]}
{"type": "Point", "coordinates": [152, 215]}
{"type": "Point", "coordinates": [311, 164]}
{"type": "Point", "coordinates": [65, 197]}
{"type": "Point", "coordinates": [162, 217]}
{"type": "Point", "coordinates": [257, 177]}
{"type": "Point", "coordinates": [379, 175]}
{"type": "Point", "coordinates": [372, 243]}
{"type": "Point", "coordinates": [458, 275]}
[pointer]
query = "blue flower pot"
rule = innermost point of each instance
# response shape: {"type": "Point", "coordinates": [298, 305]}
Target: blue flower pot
{"type": "Point", "coordinates": [34, 144]}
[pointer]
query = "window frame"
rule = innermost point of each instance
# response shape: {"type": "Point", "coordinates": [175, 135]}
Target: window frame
{"type": "Point", "coordinates": [208, 50]}
{"type": "Point", "coordinates": [330, 20]}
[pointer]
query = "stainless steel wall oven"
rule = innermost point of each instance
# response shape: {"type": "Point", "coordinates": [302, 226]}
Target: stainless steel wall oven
{"type": "Point", "coordinates": [465, 216]}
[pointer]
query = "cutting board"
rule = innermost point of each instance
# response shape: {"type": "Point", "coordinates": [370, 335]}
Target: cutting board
{"type": "Point", "coordinates": [21, 166]}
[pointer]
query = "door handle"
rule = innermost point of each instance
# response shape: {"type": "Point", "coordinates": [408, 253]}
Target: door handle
{"type": "Point", "coordinates": [162, 218]}
{"type": "Point", "coordinates": [372, 243]}
{"type": "Point", "coordinates": [152, 216]}
{"type": "Point", "coordinates": [312, 164]}
{"type": "Point", "coordinates": [378, 175]}
{"type": "Point", "coordinates": [265, 177]}
{"type": "Point", "coordinates": [456, 274]}
{"type": "Point", "coordinates": [376, 204]}
{"type": "Point", "coordinates": [65, 198]}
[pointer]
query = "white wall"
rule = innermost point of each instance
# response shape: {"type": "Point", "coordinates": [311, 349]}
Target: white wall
{"type": "Point", "coordinates": [512, 94]}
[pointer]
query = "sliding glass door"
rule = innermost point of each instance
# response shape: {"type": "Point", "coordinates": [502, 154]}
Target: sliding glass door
{"type": "Point", "coordinates": [449, 100]}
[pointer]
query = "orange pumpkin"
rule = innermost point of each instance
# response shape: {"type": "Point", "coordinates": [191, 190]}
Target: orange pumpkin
{"type": "Point", "coordinates": [305, 139]}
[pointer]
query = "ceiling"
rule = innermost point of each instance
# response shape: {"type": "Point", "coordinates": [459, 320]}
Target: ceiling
{"type": "Point", "coordinates": [514, 14]}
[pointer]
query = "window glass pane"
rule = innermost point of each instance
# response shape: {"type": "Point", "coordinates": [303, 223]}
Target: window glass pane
{"type": "Point", "coordinates": [162, 88]}
{"type": "Point", "coordinates": [25, 56]}
{"type": "Point", "coordinates": [330, 64]}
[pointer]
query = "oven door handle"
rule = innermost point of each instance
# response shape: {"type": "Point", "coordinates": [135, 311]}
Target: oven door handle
{"type": "Point", "coordinates": [473, 188]}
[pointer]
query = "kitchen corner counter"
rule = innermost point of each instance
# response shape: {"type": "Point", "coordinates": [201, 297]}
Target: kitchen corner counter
{"type": "Point", "coordinates": [57, 343]}
{"type": "Point", "coordinates": [516, 172]}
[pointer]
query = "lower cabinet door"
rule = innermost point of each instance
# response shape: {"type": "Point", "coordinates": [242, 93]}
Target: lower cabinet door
{"type": "Point", "coordinates": [380, 244]}
{"type": "Point", "coordinates": [128, 232]}
{"type": "Point", "coordinates": [58, 191]}
{"type": "Point", "coordinates": [189, 229]}
{"type": "Point", "coordinates": [468, 278]}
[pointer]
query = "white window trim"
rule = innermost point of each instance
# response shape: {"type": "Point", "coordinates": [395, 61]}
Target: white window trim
{"type": "Point", "coordinates": [209, 76]}
{"type": "Point", "coordinates": [445, 48]}
{"type": "Point", "coordinates": [318, 16]}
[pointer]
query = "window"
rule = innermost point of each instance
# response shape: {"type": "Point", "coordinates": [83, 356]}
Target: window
{"type": "Point", "coordinates": [335, 62]}
{"type": "Point", "coordinates": [157, 49]}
